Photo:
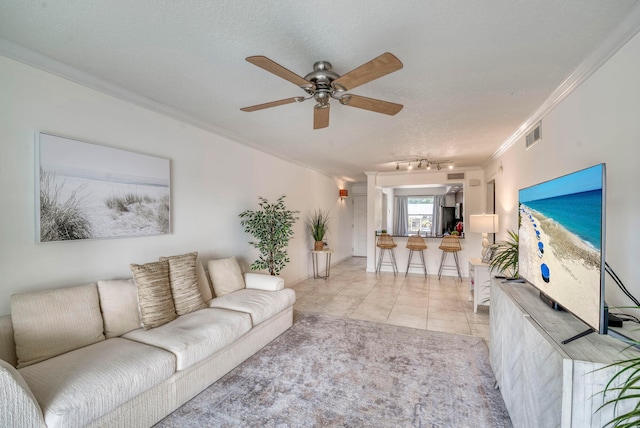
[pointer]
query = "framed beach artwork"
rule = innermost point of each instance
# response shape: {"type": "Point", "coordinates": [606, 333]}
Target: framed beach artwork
{"type": "Point", "coordinates": [88, 191]}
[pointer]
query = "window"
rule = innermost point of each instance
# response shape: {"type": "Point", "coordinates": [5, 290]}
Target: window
{"type": "Point", "coordinates": [420, 209]}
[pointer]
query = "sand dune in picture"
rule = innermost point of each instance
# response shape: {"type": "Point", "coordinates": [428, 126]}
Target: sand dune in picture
{"type": "Point", "coordinates": [116, 209]}
{"type": "Point", "coordinates": [574, 265]}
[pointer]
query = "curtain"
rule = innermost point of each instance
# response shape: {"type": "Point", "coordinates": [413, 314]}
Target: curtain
{"type": "Point", "coordinates": [401, 217]}
{"type": "Point", "coordinates": [438, 202]}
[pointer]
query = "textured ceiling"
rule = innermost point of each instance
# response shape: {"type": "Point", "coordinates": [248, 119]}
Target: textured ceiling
{"type": "Point", "coordinates": [473, 70]}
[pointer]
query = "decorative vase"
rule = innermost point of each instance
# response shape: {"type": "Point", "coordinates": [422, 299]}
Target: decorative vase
{"type": "Point", "coordinates": [318, 246]}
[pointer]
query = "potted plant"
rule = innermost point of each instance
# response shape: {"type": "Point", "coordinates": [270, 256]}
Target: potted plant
{"type": "Point", "coordinates": [317, 224]}
{"type": "Point", "coordinates": [505, 256]}
{"type": "Point", "coordinates": [272, 226]}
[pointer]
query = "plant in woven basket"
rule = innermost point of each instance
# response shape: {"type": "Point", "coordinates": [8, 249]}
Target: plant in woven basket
{"type": "Point", "coordinates": [505, 256]}
{"type": "Point", "coordinates": [272, 226]}
{"type": "Point", "coordinates": [318, 226]}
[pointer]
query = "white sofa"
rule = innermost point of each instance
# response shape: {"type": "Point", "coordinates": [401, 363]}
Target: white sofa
{"type": "Point", "coordinates": [78, 356]}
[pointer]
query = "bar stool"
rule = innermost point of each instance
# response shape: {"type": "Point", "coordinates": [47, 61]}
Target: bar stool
{"type": "Point", "coordinates": [385, 243]}
{"type": "Point", "coordinates": [450, 244]}
{"type": "Point", "coordinates": [416, 243]}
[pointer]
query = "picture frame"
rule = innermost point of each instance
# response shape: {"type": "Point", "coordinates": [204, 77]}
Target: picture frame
{"type": "Point", "coordinates": [488, 254]}
{"type": "Point", "coordinates": [89, 191]}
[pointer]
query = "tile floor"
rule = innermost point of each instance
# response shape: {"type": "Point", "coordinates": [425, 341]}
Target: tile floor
{"type": "Point", "coordinates": [414, 301]}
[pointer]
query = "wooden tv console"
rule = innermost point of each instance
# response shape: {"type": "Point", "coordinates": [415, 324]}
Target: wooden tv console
{"type": "Point", "coordinates": [543, 382]}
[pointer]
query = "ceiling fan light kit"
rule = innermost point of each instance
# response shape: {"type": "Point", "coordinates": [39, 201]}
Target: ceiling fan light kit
{"type": "Point", "coordinates": [324, 84]}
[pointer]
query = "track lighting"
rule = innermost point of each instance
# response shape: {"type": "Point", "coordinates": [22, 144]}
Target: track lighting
{"type": "Point", "coordinates": [423, 162]}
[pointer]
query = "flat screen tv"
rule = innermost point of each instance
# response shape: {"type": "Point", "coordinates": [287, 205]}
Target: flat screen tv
{"type": "Point", "coordinates": [561, 242]}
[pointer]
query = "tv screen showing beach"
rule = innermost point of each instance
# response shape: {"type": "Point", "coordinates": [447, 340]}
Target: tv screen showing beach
{"type": "Point", "coordinates": [561, 242]}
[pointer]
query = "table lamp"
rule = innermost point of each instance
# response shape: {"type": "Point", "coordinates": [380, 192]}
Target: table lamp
{"type": "Point", "coordinates": [485, 224]}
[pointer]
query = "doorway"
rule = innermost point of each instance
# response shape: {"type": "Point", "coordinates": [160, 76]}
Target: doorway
{"type": "Point", "coordinates": [360, 225]}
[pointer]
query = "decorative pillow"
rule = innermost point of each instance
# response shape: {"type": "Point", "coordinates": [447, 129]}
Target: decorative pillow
{"type": "Point", "coordinates": [119, 304]}
{"type": "Point", "coordinates": [51, 322]}
{"type": "Point", "coordinates": [154, 293]}
{"type": "Point", "coordinates": [226, 276]}
{"type": "Point", "coordinates": [184, 283]}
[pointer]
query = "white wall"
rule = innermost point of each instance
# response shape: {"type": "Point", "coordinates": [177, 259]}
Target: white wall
{"type": "Point", "coordinates": [599, 122]}
{"type": "Point", "coordinates": [213, 179]}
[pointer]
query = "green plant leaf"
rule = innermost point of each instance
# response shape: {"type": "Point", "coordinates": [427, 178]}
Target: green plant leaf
{"type": "Point", "coordinates": [318, 224]}
{"type": "Point", "coordinates": [629, 389]}
{"type": "Point", "coordinates": [505, 255]}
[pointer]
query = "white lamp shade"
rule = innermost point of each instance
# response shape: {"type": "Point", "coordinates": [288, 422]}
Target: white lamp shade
{"type": "Point", "coordinates": [483, 223]}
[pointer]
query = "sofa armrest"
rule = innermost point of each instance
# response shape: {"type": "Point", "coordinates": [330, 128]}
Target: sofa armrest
{"type": "Point", "coordinates": [18, 406]}
{"type": "Point", "coordinates": [258, 281]}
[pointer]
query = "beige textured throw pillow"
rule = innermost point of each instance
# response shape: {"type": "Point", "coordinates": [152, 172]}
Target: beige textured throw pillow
{"type": "Point", "coordinates": [184, 283]}
{"type": "Point", "coordinates": [226, 276]}
{"type": "Point", "coordinates": [154, 293]}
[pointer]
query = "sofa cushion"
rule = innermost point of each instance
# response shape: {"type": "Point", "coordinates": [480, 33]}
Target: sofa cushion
{"type": "Point", "coordinates": [154, 293]}
{"type": "Point", "coordinates": [7, 343]}
{"type": "Point", "coordinates": [203, 282]}
{"type": "Point", "coordinates": [119, 305]}
{"type": "Point", "coordinates": [260, 304]}
{"type": "Point", "coordinates": [51, 322]}
{"type": "Point", "coordinates": [225, 275]}
{"type": "Point", "coordinates": [195, 336]}
{"type": "Point", "coordinates": [184, 283]}
{"type": "Point", "coordinates": [77, 387]}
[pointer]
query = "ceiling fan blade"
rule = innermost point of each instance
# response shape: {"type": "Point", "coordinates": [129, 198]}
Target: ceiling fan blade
{"type": "Point", "coordinates": [371, 104]}
{"type": "Point", "coordinates": [275, 68]}
{"type": "Point", "coordinates": [272, 104]}
{"type": "Point", "coordinates": [321, 117]}
{"type": "Point", "coordinates": [374, 69]}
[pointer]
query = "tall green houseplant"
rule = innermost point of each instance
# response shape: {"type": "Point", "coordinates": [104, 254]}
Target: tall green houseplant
{"type": "Point", "coordinates": [272, 227]}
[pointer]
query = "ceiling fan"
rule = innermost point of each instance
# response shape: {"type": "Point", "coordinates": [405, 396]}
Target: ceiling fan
{"type": "Point", "coordinates": [323, 83]}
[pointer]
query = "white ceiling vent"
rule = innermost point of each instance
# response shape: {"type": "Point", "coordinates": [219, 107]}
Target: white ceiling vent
{"type": "Point", "coordinates": [455, 176]}
{"type": "Point", "coordinates": [534, 136]}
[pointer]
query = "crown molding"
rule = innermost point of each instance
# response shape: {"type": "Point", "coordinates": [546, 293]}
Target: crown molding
{"type": "Point", "coordinates": [57, 68]}
{"type": "Point", "coordinates": [620, 36]}
{"type": "Point", "coordinates": [72, 74]}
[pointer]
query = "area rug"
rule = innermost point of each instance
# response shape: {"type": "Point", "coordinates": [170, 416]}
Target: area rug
{"type": "Point", "coordinates": [336, 372]}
